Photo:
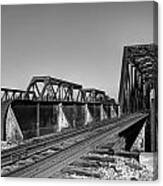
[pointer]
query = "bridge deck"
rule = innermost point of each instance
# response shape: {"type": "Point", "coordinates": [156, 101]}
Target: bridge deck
{"type": "Point", "coordinates": [73, 149]}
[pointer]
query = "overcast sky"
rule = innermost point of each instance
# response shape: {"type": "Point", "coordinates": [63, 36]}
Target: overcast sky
{"type": "Point", "coordinates": [82, 43]}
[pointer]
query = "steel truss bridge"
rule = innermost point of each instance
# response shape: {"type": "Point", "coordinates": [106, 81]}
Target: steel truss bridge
{"type": "Point", "coordinates": [50, 105]}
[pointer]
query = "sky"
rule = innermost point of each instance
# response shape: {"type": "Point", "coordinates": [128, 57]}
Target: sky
{"type": "Point", "coordinates": [81, 43]}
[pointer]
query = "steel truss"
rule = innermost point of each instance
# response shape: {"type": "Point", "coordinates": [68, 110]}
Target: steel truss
{"type": "Point", "coordinates": [138, 76]}
{"type": "Point", "coordinates": [15, 94]}
{"type": "Point", "coordinates": [46, 88]}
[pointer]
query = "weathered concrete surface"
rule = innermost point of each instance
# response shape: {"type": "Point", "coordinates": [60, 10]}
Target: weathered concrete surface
{"type": "Point", "coordinates": [41, 118]}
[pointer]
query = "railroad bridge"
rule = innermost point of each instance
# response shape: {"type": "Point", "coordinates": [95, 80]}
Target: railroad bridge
{"type": "Point", "coordinates": [50, 105]}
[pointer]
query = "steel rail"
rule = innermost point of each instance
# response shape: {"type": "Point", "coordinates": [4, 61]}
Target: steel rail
{"type": "Point", "coordinates": [43, 167]}
{"type": "Point", "coordinates": [14, 154]}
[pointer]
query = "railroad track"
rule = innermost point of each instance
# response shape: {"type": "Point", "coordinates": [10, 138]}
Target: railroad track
{"type": "Point", "coordinates": [14, 154]}
{"type": "Point", "coordinates": [20, 152]}
{"type": "Point", "coordinates": [91, 164]}
{"type": "Point", "coordinates": [47, 163]}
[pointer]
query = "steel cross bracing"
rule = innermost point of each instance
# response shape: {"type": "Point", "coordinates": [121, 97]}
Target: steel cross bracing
{"type": "Point", "coordinates": [93, 95]}
{"type": "Point", "coordinates": [138, 77]}
{"type": "Point", "coordinates": [15, 94]}
{"type": "Point", "coordinates": [46, 88]}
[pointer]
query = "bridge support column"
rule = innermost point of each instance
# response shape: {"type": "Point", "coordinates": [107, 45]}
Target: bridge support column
{"type": "Point", "coordinates": [112, 112]}
{"type": "Point", "coordinates": [88, 117]}
{"type": "Point", "coordinates": [119, 111]}
{"type": "Point", "coordinates": [74, 116]}
{"type": "Point", "coordinates": [13, 131]}
{"type": "Point", "coordinates": [62, 120]}
{"type": "Point", "coordinates": [103, 114]}
{"type": "Point", "coordinates": [139, 143]}
{"type": "Point", "coordinates": [38, 120]}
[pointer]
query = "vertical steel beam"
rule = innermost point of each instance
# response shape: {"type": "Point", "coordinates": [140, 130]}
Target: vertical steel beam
{"type": "Point", "coordinates": [74, 115]}
{"type": "Point", "coordinates": [38, 119]}
{"type": "Point", "coordinates": [6, 95]}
